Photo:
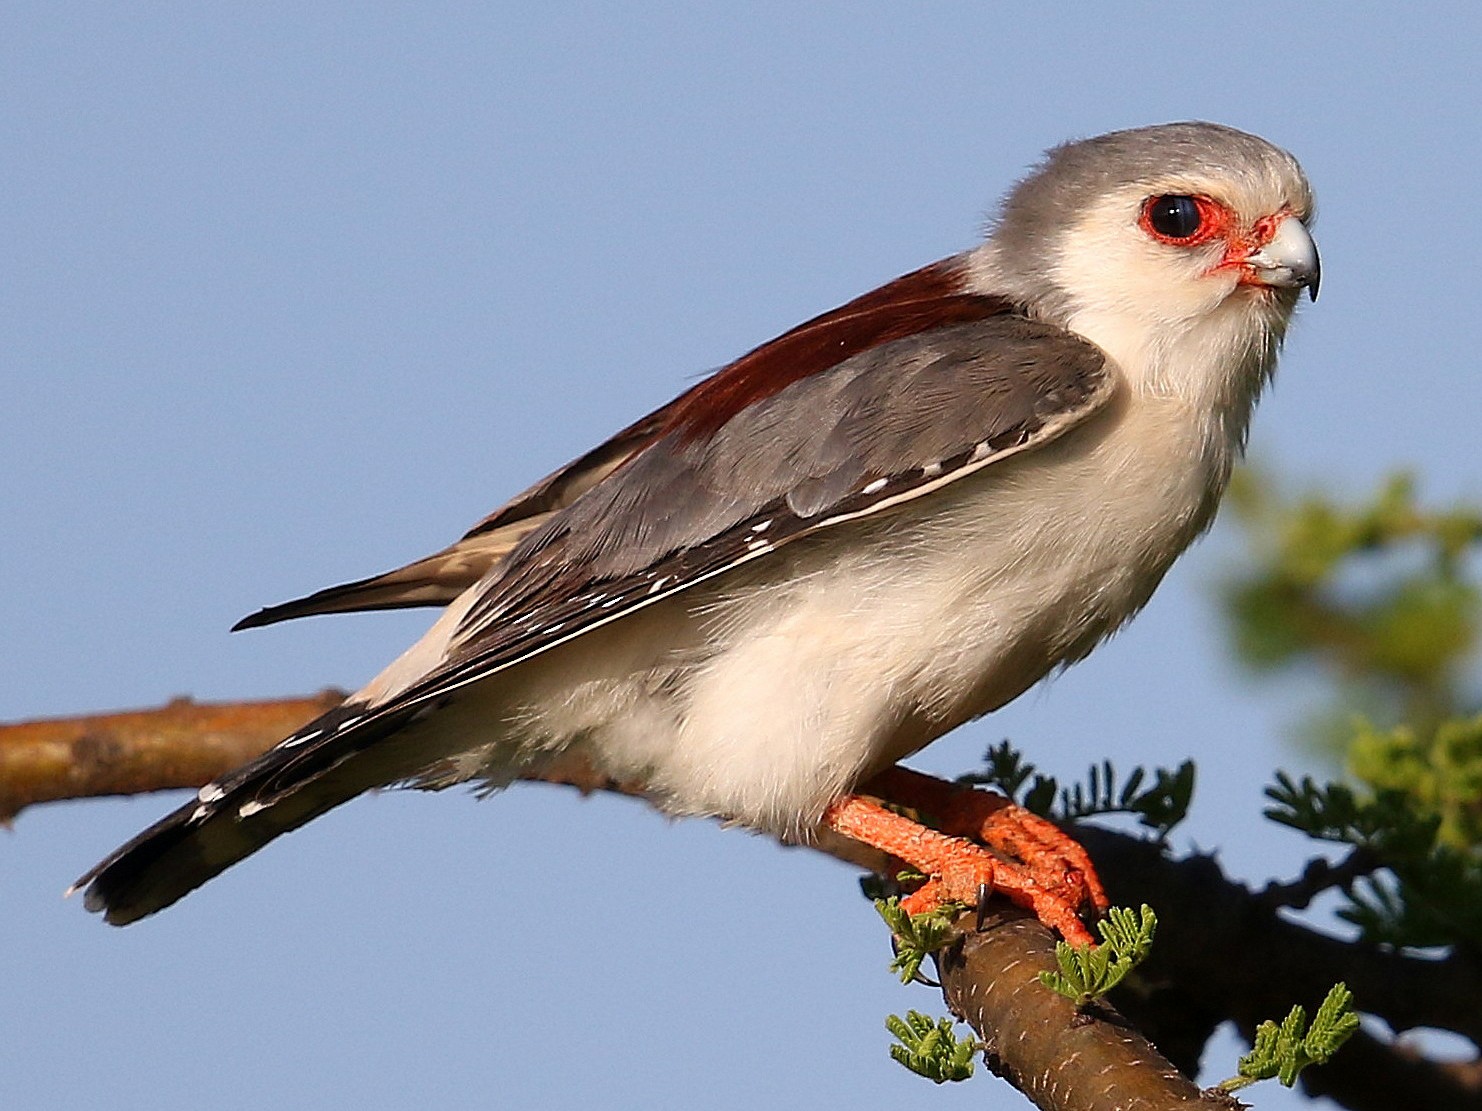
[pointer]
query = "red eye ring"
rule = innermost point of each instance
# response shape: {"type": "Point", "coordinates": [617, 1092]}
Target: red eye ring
{"type": "Point", "coordinates": [1198, 218]}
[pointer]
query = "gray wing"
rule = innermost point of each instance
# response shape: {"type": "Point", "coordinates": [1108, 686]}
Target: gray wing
{"type": "Point", "coordinates": [886, 426]}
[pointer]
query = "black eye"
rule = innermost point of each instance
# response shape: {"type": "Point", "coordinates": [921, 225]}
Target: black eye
{"type": "Point", "coordinates": [1174, 216]}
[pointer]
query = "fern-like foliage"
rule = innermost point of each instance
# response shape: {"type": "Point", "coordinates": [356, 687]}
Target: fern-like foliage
{"type": "Point", "coordinates": [1429, 892]}
{"type": "Point", "coordinates": [931, 1048]}
{"type": "Point", "coordinates": [1382, 597]}
{"type": "Point", "coordinates": [1159, 805]}
{"type": "Point", "coordinates": [1284, 1051]}
{"type": "Point", "coordinates": [1385, 822]}
{"type": "Point", "coordinates": [1087, 973]}
{"type": "Point", "coordinates": [916, 936]}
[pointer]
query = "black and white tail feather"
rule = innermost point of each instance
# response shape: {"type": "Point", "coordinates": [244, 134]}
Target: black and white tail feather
{"type": "Point", "coordinates": [233, 817]}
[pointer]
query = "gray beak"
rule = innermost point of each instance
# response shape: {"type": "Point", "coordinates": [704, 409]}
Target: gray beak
{"type": "Point", "coordinates": [1290, 260]}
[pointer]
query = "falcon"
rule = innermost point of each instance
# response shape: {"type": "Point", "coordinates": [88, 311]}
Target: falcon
{"type": "Point", "coordinates": [892, 519]}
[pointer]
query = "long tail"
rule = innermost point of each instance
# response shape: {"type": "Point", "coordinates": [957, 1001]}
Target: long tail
{"type": "Point", "coordinates": [339, 755]}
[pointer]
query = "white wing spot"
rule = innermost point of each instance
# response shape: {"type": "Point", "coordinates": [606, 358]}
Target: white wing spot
{"type": "Point", "coordinates": [981, 451]}
{"type": "Point", "coordinates": [300, 738]}
{"type": "Point", "coordinates": [876, 486]}
{"type": "Point", "coordinates": [762, 526]}
{"type": "Point", "coordinates": [211, 792]}
{"type": "Point", "coordinates": [199, 814]}
{"type": "Point", "coordinates": [931, 470]}
{"type": "Point", "coordinates": [758, 545]}
{"type": "Point", "coordinates": [250, 807]}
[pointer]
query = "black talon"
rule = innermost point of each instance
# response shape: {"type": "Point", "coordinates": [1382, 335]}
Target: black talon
{"type": "Point", "coordinates": [984, 893]}
{"type": "Point", "coordinates": [916, 977]}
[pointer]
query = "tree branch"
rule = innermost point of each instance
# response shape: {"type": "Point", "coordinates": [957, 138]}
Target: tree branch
{"type": "Point", "coordinates": [1062, 1058]}
{"type": "Point", "coordinates": [182, 744]}
{"type": "Point", "coordinates": [1234, 950]}
{"type": "Point", "coordinates": [1223, 951]}
{"type": "Point", "coordinates": [1381, 1076]}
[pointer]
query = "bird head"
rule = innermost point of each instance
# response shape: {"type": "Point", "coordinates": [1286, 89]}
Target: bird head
{"type": "Point", "coordinates": [1168, 220]}
{"type": "Point", "coordinates": [1161, 243]}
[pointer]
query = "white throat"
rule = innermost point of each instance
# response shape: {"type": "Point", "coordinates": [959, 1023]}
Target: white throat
{"type": "Point", "coordinates": [1217, 364]}
{"type": "Point", "coordinates": [1214, 348]}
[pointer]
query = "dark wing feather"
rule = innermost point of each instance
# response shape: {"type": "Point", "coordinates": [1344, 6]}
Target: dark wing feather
{"type": "Point", "coordinates": [439, 578]}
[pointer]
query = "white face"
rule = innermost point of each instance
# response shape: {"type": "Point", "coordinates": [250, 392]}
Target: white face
{"type": "Point", "coordinates": [1180, 250]}
{"type": "Point", "coordinates": [1175, 250]}
{"type": "Point", "coordinates": [1188, 281]}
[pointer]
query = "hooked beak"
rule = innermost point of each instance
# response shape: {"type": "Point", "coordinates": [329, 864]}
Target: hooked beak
{"type": "Point", "coordinates": [1288, 261]}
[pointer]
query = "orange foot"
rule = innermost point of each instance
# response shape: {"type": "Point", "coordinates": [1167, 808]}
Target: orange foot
{"type": "Point", "coordinates": [1041, 868]}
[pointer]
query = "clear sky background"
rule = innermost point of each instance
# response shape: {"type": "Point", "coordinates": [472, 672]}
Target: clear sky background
{"type": "Point", "coordinates": [293, 293]}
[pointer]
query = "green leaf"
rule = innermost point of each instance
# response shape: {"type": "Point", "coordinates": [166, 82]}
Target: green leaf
{"type": "Point", "coordinates": [1429, 892]}
{"type": "Point", "coordinates": [1088, 972]}
{"type": "Point", "coordinates": [1379, 594]}
{"type": "Point", "coordinates": [931, 1048]}
{"type": "Point", "coordinates": [916, 936]}
{"type": "Point", "coordinates": [1284, 1051]}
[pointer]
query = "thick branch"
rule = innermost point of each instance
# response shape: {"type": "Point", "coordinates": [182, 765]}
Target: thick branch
{"type": "Point", "coordinates": [1063, 1059]}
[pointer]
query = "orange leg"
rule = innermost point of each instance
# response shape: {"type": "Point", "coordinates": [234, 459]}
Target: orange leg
{"type": "Point", "coordinates": [1047, 872]}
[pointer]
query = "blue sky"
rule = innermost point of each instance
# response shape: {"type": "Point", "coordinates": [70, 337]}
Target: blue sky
{"type": "Point", "coordinates": [295, 293]}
